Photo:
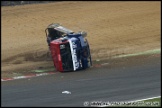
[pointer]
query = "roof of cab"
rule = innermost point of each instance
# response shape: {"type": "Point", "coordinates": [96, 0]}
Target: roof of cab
{"type": "Point", "coordinates": [53, 25]}
{"type": "Point", "coordinates": [60, 28]}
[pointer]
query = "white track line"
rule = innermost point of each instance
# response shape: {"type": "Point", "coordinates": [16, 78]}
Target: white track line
{"type": "Point", "coordinates": [27, 76]}
{"type": "Point", "coordinates": [146, 99]}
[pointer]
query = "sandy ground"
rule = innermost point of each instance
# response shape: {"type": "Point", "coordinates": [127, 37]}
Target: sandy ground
{"type": "Point", "coordinates": [113, 28]}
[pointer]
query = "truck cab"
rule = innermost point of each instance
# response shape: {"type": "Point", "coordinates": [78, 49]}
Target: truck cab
{"type": "Point", "coordinates": [70, 51]}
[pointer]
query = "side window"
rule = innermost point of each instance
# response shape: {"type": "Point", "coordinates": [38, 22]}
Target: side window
{"type": "Point", "coordinates": [50, 32]}
{"type": "Point", "coordinates": [53, 33]}
{"type": "Point", "coordinates": [59, 34]}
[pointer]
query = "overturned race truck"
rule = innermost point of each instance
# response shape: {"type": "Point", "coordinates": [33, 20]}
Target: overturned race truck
{"type": "Point", "coordinates": [70, 51]}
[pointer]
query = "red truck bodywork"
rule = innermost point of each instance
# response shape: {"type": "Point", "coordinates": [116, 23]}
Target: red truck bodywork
{"type": "Point", "coordinates": [55, 52]}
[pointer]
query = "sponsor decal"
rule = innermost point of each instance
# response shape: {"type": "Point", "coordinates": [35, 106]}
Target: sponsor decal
{"type": "Point", "coordinates": [75, 55]}
{"type": "Point", "coordinates": [62, 46]}
{"type": "Point", "coordinates": [73, 47]}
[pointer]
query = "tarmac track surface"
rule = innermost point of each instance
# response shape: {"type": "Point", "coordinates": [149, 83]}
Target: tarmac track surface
{"type": "Point", "coordinates": [130, 79]}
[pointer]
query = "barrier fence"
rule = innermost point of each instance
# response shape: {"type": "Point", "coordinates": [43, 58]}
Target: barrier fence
{"type": "Point", "coordinates": [14, 3]}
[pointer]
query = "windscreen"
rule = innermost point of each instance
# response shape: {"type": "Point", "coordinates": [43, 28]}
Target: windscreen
{"type": "Point", "coordinates": [66, 56]}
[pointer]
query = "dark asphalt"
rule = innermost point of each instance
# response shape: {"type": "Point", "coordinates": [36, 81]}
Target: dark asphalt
{"type": "Point", "coordinates": [125, 80]}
